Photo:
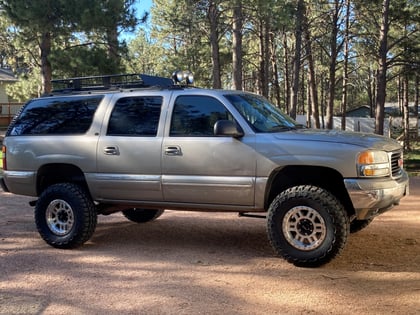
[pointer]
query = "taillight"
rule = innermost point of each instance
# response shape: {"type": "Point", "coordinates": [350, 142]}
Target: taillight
{"type": "Point", "coordinates": [3, 157]}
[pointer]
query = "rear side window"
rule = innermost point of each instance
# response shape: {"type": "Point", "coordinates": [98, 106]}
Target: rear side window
{"type": "Point", "coordinates": [56, 116]}
{"type": "Point", "coordinates": [135, 116]}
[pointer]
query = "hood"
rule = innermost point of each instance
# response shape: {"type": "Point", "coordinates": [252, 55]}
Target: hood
{"type": "Point", "coordinates": [364, 140]}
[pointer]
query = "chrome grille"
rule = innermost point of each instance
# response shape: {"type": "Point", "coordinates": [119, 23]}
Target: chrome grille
{"type": "Point", "coordinates": [395, 164]}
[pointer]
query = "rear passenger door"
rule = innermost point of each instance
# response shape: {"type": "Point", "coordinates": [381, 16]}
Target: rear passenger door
{"type": "Point", "coordinates": [129, 150]}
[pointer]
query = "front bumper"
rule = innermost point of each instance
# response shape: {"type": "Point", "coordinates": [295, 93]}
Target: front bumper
{"type": "Point", "coordinates": [371, 197]}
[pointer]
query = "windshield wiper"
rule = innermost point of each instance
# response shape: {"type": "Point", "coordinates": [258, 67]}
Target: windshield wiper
{"type": "Point", "coordinates": [282, 128]}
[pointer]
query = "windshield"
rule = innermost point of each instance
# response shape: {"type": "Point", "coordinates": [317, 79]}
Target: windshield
{"type": "Point", "coordinates": [261, 115]}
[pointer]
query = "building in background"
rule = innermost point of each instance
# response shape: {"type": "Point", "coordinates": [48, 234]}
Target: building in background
{"type": "Point", "coordinates": [6, 77]}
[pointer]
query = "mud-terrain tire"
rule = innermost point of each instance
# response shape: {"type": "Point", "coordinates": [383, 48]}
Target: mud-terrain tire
{"type": "Point", "coordinates": [65, 215]}
{"type": "Point", "coordinates": [307, 226]}
{"type": "Point", "coordinates": [358, 225]}
{"type": "Point", "coordinates": [142, 215]}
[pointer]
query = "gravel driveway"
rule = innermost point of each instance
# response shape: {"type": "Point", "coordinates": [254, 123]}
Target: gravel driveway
{"type": "Point", "coordinates": [203, 263]}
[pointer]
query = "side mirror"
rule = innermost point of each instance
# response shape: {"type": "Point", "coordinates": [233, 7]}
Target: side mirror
{"type": "Point", "coordinates": [228, 128]}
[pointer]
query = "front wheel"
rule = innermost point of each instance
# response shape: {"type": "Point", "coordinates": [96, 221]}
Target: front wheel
{"type": "Point", "coordinates": [307, 226]}
{"type": "Point", "coordinates": [65, 215]}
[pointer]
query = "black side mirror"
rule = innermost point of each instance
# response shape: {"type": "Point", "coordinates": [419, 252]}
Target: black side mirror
{"type": "Point", "coordinates": [228, 128]}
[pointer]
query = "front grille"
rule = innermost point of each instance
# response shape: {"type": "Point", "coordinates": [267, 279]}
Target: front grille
{"type": "Point", "coordinates": [396, 164]}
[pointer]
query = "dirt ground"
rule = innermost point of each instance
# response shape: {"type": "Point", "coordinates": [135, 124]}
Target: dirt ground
{"type": "Point", "coordinates": [202, 263]}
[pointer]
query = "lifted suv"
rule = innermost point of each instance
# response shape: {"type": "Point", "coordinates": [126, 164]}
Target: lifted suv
{"type": "Point", "coordinates": [141, 144]}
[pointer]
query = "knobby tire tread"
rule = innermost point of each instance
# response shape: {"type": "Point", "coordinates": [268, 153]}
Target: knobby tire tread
{"type": "Point", "coordinates": [88, 212]}
{"type": "Point", "coordinates": [333, 207]}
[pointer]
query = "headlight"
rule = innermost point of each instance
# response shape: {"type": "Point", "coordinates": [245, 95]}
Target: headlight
{"type": "Point", "coordinates": [373, 164]}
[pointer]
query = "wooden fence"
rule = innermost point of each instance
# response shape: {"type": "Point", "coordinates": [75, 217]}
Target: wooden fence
{"type": "Point", "coordinates": [7, 112]}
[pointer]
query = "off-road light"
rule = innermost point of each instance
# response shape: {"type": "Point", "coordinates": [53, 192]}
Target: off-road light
{"type": "Point", "coordinates": [185, 77]}
{"type": "Point", "coordinates": [177, 76]}
{"type": "Point", "coordinates": [188, 77]}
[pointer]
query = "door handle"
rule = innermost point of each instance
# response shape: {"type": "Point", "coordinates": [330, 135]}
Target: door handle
{"type": "Point", "coordinates": [173, 150]}
{"type": "Point", "coordinates": [113, 150]}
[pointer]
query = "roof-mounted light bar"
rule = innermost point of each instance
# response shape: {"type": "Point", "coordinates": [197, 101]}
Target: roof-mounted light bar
{"type": "Point", "coordinates": [113, 81]}
{"type": "Point", "coordinates": [183, 77]}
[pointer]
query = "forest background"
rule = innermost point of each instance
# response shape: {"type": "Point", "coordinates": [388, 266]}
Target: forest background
{"type": "Point", "coordinates": [318, 58]}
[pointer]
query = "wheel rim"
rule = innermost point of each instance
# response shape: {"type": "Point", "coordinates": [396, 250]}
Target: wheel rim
{"type": "Point", "coordinates": [304, 228]}
{"type": "Point", "coordinates": [60, 218]}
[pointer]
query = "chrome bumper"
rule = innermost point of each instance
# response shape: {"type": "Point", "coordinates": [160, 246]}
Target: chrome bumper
{"type": "Point", "coordinates": [371, 197]}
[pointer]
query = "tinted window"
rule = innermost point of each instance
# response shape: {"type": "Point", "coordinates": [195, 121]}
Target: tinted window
{"type": "Point", "coordinates": [135, 116]}
{"type": "Point", "coordinates": [196, 116]}
{"type": "Point", "coordinates": [56, 116]}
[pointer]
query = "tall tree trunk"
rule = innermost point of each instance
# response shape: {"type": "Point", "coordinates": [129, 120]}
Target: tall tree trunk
{"type": "Point", "coordinates": [303, 94]}
{"type": "Point", "coordinates": [264, 54]}
{"type": "Point", "coordinates": [309, 101]}
{"type": "Point", "coordinates": [261, 74]}
{"type": "Point", "coordinates": [371, 92]}
{"type": "Point", "coordinates": [400, 93]}
{"type": "Point", "coordinates": [275, 72]}
{"type": "Point", "coordinates": [323, 100]}
{"type": "Point", "coordinates": [296, 68]}
{"type": "Point", "coordinates": [313, 91]}
{"type": "Point", "coordinates": [237, 46]}
{"type": "Point", "coordinates": [416, 102]}
{"type": "Point", "coordinates": [46, 71]}
{"type": "Point", "coordinates": [267, 31]}
{"type": "Point", "coordinates": [286, 73]}
{"type": "Point", "coordinates": [113, 48]}
{"type": "Point", "coordinates": [406, 111]}
{"type": "Point", "coordinates": [213, 16]}
{"type": "Point", "coordinates": [382, 70]}
{"type": "Point", "coordinates": [333, 65]}
{"type": "Point", "coordinates": [345, 68]}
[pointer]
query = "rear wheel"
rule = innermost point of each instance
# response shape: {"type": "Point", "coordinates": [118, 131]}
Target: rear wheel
{"type": "Point", "coordinates": [307, 226]}
{"type": "Point", "coordinates": [65, 215]}
{"type": "Point", "coordinates": [142, 215]}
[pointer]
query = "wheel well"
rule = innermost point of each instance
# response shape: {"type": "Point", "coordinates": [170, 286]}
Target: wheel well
{"type": "Point", "coordinates": [323, 177]}
{"type": "Point", "coordinates": [59, 173]}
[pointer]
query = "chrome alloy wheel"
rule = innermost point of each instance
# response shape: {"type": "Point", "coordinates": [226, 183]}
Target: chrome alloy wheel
{"type": "Point", "coordinates": [304, 228]}
{"type": "Point", "coordinates": [59, 216]}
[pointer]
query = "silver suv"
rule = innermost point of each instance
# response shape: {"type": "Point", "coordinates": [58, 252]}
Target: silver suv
{"type": "Point", "coordinates": [147, 144]}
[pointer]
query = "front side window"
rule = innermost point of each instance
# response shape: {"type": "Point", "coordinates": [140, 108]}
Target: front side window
{"type": "Point", "coordinates": [56, 116]}
{"type": "Point", "coordinates": [195, 115]}
{"type": "Point", "coordinates": [261, 115]}
{"type": "Point", "coordinates": [135, 116]}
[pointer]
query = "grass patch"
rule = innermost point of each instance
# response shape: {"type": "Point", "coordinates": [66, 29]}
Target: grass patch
{"type": "Point", "coordinates": [412, 159]}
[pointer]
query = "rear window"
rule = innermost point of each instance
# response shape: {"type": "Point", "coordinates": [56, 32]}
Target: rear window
{"type": "Point", "coordinates": [56, 116]}
{"type": "Point", "coordinates": [135, 116]}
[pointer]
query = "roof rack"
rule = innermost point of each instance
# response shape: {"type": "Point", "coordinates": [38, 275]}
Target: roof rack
{"type": "Point", "coordinates": [107, 82]}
